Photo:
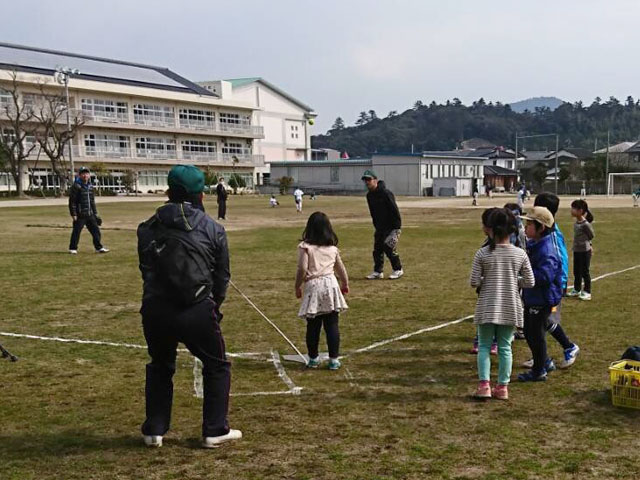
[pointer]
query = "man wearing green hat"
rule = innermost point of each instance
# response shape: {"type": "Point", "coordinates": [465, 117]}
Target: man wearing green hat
{"type": "Point", "coordinates": [184, 262]}
{"type": "Point", "coordinates": [387, 224]}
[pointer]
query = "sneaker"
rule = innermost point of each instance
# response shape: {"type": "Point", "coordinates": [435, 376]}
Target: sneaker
{"type": "Point", "coordinates": [549, 366]}
{"type": "Point", "coordinates": [532, 376]}
{"type": "Point", "coordinates": [483, 390]}
{"type": "Point", "coordinates": [334, 364]}
{"type": "Point", "coordinates": [501, 392]}
{"type": "Point", "coordinates": [527, 364]}
{"type": "Point", "coordinates": [375, 276]}
{"type": "Point", "coordinates": [573, 293]}
{"type": "Point", "coordinates": [152, 440]}
{"type": "Point", "coordinates": [474, 350]}
{"type": "Point", "coordinates": [214, 442]}
{"type": "Point", "coordinates": [313, 363]}
{"type": "Point", "coordinates": [494, 349]}
{"type": "Point", "coordinates": [396, 274]}
{"type": "Point", "coordinates": [519, 335]}
{"type": "Point", "coordinates": [73, 252]}
{"type": "Point", "coordinates": [585, 296]}
{"type": "Point", "coordinates": [102, 250]}
{"type": "Point", "coordinates": [570, 355]}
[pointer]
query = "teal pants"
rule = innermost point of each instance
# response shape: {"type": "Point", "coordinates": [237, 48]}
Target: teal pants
{"type": "Point", "coordinates": [504, 336]}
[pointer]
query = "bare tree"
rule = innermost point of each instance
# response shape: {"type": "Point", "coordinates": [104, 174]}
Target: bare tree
{"type": "Point", "coordinates": [52, 134]}
{"type": "Point", "coordinates": [16, 123]}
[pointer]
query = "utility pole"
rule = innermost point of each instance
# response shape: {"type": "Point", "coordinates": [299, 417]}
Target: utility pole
{"type": "Point", "coordinates": [62, 77]}
{"type": "Point", "coordinates": [556, 169]}
{"type": "Point", "coordinates": [606, 175]}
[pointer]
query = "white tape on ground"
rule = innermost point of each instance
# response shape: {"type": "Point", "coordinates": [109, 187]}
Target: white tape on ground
{"type": "Point", "coordinates": [282, 373]}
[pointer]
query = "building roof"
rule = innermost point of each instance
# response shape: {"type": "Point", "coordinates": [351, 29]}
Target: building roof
{"type": "Point", "coordinates": [634, 149]}
{"type": "Point", "coordinates": [241, 82]}
{"type": "Point", "coordinates": [476, 143]}
{"type": "Point", "coordinates": [577, 153]}
{"type": "Point", "coordinates": [618, 148]}
{"type": "Point", "coordinates": [535, 155]}
{"type": "Point", "coordinates": [43, 61]}
{"type": "Point", "coordinates": [499, 171]}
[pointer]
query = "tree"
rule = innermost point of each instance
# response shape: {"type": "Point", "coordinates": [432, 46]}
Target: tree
{"type": "Point", "coordinates": [236, 181]}
{"type": "Point", "coordinates": [372, 115]}
{"type": "Point", "coordinates": [392, 113]}
{"type": "Point", "coordinates": [418, 105]}
{"type": "Point", "coordinates": [100, 171]}
{"type": "Point", "coordinates": [129, 181]}
{"type": "Point", "coordinates": [13, 134]}
{"type": "Point", "coordinates": [563, 174]}
{"type": "Point", "coordinates": [210, 178]}
{"type": "Point", "coordinates": [284, 183]}
{"type": "Point", "coordinates": [338, 124]}
{"type": "Point", "coordinates": [52, 134]}
{"type": "Point", "coordinates": [363, 119]}
{"type": "Point", "coordinates": [539, 173]}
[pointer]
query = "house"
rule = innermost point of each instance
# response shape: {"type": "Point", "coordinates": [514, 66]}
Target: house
{"type": "Point", "coordinates": [500, 178]}
{"type": "Point", "coordinates": [624, 155]}
{"type": "Point", "coordinates": [135, 118]}
{"type": "Point", "coordinates": [286, 120]}
{"type": "Point", "coordinates": [320, 154]}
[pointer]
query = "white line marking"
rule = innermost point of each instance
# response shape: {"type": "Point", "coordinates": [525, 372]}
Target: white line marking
{"type": "Point", "coordinates": [282, 373]}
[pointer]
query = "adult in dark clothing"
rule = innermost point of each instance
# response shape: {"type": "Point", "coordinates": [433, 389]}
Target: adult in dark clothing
{"type": "Point", "coordinates": [222, 194]}
{"type": "Point", "coordinates": [82, 208]}
{"type": "Point", "coordinates": [166, 321]}
{"type": "Point", "coordinates": [387, 224]}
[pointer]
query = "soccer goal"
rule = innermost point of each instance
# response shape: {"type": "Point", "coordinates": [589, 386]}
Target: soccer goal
{"type": "Point", "coordinates": [633, 182]}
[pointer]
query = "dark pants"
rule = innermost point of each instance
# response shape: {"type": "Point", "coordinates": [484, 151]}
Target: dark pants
{"type": "Point", "coordinates": [380, 249]}
{"type": "Point", "coordinates": [222, 208]}
{"type": "Point", "coordinates": [535, 322]}
{"type": "Point", "coordinates": [581, 264]}
{"type": "Point", "coordinates": [554, 328]}
{"type": "Point", "coordinates": [314, 325]}
{"type": "Point", "coordinates": [93, 228]}
{"type": "Point", "coordinates": [199, 329]}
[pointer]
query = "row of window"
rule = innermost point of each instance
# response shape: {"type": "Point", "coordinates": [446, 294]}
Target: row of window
{"type": "Point", "coordinates": [438, 171]}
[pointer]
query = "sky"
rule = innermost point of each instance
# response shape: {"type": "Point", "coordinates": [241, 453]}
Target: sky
{"type": "Point", "coordinates": [345, 56]}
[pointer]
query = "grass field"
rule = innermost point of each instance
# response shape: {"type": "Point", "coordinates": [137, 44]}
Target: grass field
{"type": "Point", "coordinates": [400, 411]}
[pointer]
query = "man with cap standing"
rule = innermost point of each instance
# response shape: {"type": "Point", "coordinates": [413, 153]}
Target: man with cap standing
{"type": "Point", "coordinates": [221, 193]}
{"type": "Point", "coordinates": [82, 208]}
{"type": "Point", "coordinates": [184, 262]}
{"type": "Point", "coordinates": [387, 224]}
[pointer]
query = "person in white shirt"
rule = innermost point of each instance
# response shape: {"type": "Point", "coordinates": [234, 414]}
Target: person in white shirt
{"type": "Point", "coordinates": [297, 195]}
{"type": "Point", "coordinates": [273, 201]}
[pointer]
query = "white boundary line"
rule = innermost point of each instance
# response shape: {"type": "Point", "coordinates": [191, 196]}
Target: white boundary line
{"type": "Point", "coordinates": [282, 373]}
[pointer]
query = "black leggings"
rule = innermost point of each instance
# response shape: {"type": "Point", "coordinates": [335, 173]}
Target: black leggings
{"type": "Point", "coordinates": [535, 323]}
{"type": "Point", "coordinates": [581, 264]}
{"type": "Point", "coordinates": [314, 325]}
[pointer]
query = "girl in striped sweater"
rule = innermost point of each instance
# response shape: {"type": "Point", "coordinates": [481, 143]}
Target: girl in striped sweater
{"type": "Point", "coordinates": [499, 270]}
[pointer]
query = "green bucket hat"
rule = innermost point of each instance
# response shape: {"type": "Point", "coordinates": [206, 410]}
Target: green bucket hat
{"type": "Point", "coordinates": [188, 177]}
{"type": "Point", "coordinates": [368, 174]}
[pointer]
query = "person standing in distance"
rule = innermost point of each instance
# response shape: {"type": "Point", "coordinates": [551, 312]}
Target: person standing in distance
{"type": "Point", "coordinates": [221, 193]}
{"type": "Point", "coordinates": [82, 208]}
{"type": "Point", "coordinates": [297, 195]}
{"type": "Point", "coordinates": [387, 224]}
{"type": "Point", "coordinates": [184, 260]}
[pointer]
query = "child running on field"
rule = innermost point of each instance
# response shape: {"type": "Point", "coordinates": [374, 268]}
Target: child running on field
{"type": "Point", "coordinates": [582, 249]}
{"type": "Point", "coordinates": [496, 270]}
{"type": "Point", "coordinates": [317, 285]}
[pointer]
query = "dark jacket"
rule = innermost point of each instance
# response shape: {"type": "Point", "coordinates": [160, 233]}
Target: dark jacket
{"type": "Point", "coordinates": [383, 209]}
{"type": "Point", "coordinates": [221, 192]}
{"type": "Point", "coordinates": [207, 232]}
{"type": "Point", "coordinates": [547, 270]}
{"type": "Point", "coordinates": [82, 202]}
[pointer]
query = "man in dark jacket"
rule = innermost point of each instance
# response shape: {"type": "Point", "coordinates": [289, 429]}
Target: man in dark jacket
{"type": "Point", "coordinates": [82, 208]}
{"type": "Point", "coordinates": [387, 224]}
{"type": "Point", "coordinates": [221, 193]}
{"type": "Point", "coordinates": [166, 322]}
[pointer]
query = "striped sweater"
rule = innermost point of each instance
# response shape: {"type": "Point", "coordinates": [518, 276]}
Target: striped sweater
{"type": "Point", "coordinates": [499, 274]}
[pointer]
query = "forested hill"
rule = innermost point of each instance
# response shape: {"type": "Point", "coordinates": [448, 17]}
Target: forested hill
{"type": "Point", "coordinates": [443, 127]}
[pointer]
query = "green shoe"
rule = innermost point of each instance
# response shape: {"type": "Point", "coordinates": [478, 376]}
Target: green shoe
{"type": "Point", "coordinates": [334, 364]}
{"type": "Point", "coordinates": [313, 363]}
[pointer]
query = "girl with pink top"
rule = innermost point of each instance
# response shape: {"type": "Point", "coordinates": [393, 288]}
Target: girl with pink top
{"type": "Point", "coordinates": [317, 286]}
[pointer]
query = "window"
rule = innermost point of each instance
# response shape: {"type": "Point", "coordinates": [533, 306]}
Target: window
{"type": "Point", "coordinates": [198, 148]}
{"type": "Point", "coordinates": [105, 110]}
{"type": "Point", "coordinates": [152, 178]}
{"type": "Point", "coordinates": [233, 118]}
{"type": "Point", "coordinates": [190, 118]}
{"type": "Point", "coordinates": [154, 147]}
{"type": "Point", "coordinates": [335, 174]}
{"type": "Point", "coordinates": [233, 148]}
{"type": "Point", "coordinates": [5, 98]}
{"type": "Point", "coordinates": [146, 114]}
{"type": "Point", "coordinates": [107, 145]}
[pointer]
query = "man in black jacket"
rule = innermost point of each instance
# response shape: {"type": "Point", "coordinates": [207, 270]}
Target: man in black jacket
{"type": "Point", "coordinates": [221, 193]}
{"type": "Point", "coordinates": [166, 322]}
{"type": "Point", "coordinates": [82, 208]}
{"type": "Point", "coordinates": [387, 224]}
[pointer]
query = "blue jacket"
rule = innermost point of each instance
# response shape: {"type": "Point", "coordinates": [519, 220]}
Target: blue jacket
{"type": "Point", "coordinates": [561, 248]}
{"type": "Point", "coordinates": [547, 270]}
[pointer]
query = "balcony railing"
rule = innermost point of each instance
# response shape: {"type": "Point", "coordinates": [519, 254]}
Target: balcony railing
{"type": "Point", "coordinates": [154, 121]}
{"type": "Point", "coordinates": [104, 117]}
{"type": "Point", "coordinates": [107, 152]}
{"type": "Point", "coordinates": [155, 154]}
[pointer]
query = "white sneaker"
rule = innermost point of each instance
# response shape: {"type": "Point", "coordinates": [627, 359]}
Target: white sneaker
{"type": "Point", "coordinates": [584, 296]}
{"type": "Point", "coordinates": [152, 440]}
{"type": "Point", "coordinates": [573, 293]}
{"type": "Point", "coordinates": [102, 250]}
{"type": "Point", "coordinates": [396, 274]}
{"type": "Point", "coordinates": [73, 252]}
{"type": "Point", "coordinates": [214, 442]}
{"type": "Point", "coordinates": [375, 276]}
{"type": "Point", "coordinates": [527, 364]}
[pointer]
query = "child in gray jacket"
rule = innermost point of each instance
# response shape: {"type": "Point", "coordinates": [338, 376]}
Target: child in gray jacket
{"type": "Point", "coordinates": [582, 249]}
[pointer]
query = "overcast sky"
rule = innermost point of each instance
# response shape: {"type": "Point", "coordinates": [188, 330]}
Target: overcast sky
{"type": "Point", "coordinates": [342, 57]}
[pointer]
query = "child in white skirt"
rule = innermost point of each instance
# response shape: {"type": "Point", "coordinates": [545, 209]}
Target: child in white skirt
{"type": "Point", "coordinates": [317, 285]}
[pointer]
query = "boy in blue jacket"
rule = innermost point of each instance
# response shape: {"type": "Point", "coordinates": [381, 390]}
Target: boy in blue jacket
{"type": "Point", "coordinates": [547, 291]}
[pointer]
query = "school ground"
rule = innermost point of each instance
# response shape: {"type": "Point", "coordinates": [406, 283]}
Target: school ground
{"type": "Point", "coordinates": [401, 406]}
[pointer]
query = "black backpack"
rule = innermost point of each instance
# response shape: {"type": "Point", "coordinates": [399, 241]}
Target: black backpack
{"type": "Point", "coordinates": [179, 263]}
{"type": "Point", "coordinates": [631, 353]}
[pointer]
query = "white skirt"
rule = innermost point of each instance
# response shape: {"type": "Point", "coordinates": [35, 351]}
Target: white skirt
{"type": "Point", "coordinates": [321, 295]}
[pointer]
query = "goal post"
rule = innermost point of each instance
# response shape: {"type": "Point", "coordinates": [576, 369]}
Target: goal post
{"type": "Point", "coordinates": [613, 176]}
